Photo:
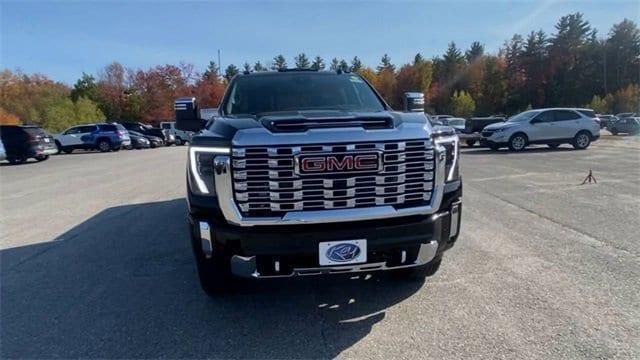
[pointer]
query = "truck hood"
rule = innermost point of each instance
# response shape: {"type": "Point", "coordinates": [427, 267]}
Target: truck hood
{"type": "Point", "coordinates": [305, 127]}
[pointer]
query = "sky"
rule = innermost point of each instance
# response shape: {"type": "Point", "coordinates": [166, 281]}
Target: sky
{"type": "Point", "coordinates": [62, 39]}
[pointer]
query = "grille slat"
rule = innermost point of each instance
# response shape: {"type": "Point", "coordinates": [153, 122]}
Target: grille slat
{"type": "Point", "coordinates": [266, 182]}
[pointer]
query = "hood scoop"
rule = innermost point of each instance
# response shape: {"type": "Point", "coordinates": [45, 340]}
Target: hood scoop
{"type": "Point", "coordinates": [302, 123]}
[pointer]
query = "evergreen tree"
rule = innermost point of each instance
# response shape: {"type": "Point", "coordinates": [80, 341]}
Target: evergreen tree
{"type": "Point", "coordinates": [356, 64]}
{"type": "Point", "coordinates": [259, 67]}
{"type": "Point", "coordinates": [302, 62]}
{"type": "Point", "coordinates": [475, 51]}
{"type": "Point", "coordinates": [344, 66]}
{"type": "Point", "coordinates": [385, 64]}
{"type": "Point", "coordinates": [279, 63]}
{"type": "Point", "coordinates": [230, 72]}
{"type": "Point", "coordinates": [335, 64]}
{"type": "Point", "coordinates": [318, 63]}
{"type": "Point", "coordinates": [246, 67]}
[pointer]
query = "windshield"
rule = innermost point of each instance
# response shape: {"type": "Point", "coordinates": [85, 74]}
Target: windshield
{"type": "Point", "coordinates": [524, 116]}
{"type": "Point", "coordinates": [455, 122]}
{"type": "Point", "coordinates": [300, 91]}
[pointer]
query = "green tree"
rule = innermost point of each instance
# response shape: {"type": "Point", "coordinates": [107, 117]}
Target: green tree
{"type": "Point", "coordinates": [212, 70]}
{"type": "Point", "coordinates": [279, 63]}
{"type": "Point", "coordinates": [356, 64]}
{"type": "Point", "coordinates": [385, 64]}
{"type": "Point", "coordinates": [86, 110]}
{"type": "Point", "coordinates": [599, 105]}
{"type": "Point", "coordinates": [475, 51]}
{"type": "Point", "coordinates": [302, 61]}
{"type": "Point", "coordinates": [627, 99]}
{"type": "Point", "coordinates": [335, 64]}
{"type": "Point", "coordinates": [623, 55]}
{"type": "Point", "coordinates": [343, 66]}
{"type": "Point", "coordinates": [259, 67]}
{"type": "Point", "coordinates": [462, 104]}
{"type": "Point", "coordinates": [230, 72]}
{"type": "Point", "coordinates": [318, 63]}
{"type": "Point", "coordinates": [246, 67]}
{"type": "Point", "coordinates": [59, 115]}
{"type": "Point", "coordinates": [86, 87]}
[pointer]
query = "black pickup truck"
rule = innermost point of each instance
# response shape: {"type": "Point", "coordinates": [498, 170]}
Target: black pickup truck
{"type": "Point", "coordinates": [311, 172]}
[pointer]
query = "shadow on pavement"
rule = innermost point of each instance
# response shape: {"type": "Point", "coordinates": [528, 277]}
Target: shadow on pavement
{"type": "Point", "coordinates": [123, 284]}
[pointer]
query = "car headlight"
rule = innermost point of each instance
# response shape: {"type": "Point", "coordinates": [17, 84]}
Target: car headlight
{"type": "Point", "coordinates": [452, 152]}
{"type": "Point", "coordinates": [201, 168]}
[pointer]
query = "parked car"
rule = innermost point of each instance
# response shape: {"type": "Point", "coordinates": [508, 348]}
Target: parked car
{"type": "Point", "coordinates": [23, 142]}
{"type": "Point", "coordinates": [471, 133]}
{"type": "Point", "coordinates": [625, 115]}
{"type": "Point", "coordinates": [138, 141]}
{"type": "Point", "coordinates": [3, 154]}
{"type": "Point", "coordinates": [148, 130]}
{"type": "Point", "coordinates": [605, 120]}
{"type": "Point", "coordinates": [180, 137]}
{"type": "Point", "coordinates": [441, 117]}
{"type": "Point", "coordinates": [543, 126]}
{"type": "Point", "coordinates": [153, 141]}
{"type": "Point", "coordinates": [458, 124]}
{"type": "Point", "coordinates": [103, 137]}
{"type": "Point", "coordinates": [627, 125]}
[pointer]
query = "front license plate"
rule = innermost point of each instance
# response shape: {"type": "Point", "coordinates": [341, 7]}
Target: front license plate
{"type": "Point", "coordinates": [342, 252]}
{"type": "Point", "coordinates": [46, 140]}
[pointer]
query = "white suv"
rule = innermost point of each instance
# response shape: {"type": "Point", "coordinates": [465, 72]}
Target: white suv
{"type": "Point", "coordinates": [578, 127]}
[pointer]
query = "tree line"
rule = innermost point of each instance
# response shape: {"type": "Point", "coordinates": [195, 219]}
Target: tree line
{"type": "Point", "coordinates": [574, 66]}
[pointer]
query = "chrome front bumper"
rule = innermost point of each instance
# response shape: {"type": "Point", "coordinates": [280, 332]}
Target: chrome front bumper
{"type": "Point", "coordinates": [224, 190]}
{"type": "Point", "coordinates": [246, 266]}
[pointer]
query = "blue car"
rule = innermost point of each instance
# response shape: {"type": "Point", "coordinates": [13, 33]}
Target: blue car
{"type": "Point", "coordinates": [103, 137]}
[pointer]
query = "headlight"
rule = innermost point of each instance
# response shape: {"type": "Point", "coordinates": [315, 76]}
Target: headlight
{"type": "Point", "coordinates": [452, 152]}
{"type": "Point", "coordinates": [201, 168]}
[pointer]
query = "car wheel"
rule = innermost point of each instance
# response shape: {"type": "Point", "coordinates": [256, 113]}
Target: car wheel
{"type": "Point", "coordinates": [581, 141]}
{"type": "Point", "coordinates": [614, 131]}
{"type": "Point", "coordinates": [418, 273]}
{"type": "Point", "coordinates": [179, 142]}
{"type": "Point", "coordinates": [17, 160]}
{"type": "Point", "coordinates": [518, 142]}
{"type": "Point", "coordinates": [104, 146]}
{"type": "Point", "coordinates": [553, 146]}
{"type": "Point", "coordinates": [41, 157]}
{"type": "Point", "coordinates": [470, 143]}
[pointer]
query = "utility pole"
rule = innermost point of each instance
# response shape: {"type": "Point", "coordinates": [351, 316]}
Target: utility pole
{"type": "Point", "coordinates": [219, 65]}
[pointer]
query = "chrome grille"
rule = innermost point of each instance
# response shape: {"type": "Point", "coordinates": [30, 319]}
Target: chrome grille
{"type": "Point", "coordinates": [265, 181]}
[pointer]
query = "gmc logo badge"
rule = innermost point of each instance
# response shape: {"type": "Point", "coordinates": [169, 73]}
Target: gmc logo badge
{"type": "Point", "coordinates": [338, 163]}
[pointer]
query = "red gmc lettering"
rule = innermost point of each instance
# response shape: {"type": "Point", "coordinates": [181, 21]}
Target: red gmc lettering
{"type": "Point", "coordinates": [313, 164]}
{"type": "Point", "coordinates": [344, 163]}
{"type": "Point", "coordinates": [334, 164]}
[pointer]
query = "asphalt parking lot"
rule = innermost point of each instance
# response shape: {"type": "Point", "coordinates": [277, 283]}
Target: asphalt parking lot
{"type": "Point", "coordinates": [96, 262]}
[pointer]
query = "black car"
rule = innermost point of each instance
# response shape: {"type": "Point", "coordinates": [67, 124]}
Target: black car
{"type": "Point", "coordinates": [152, 141]}
{"type": "Point", "coordinates": [626, 125]}
{"type": "Point", "coordinates": [147, 130]}
{"type": "Point", "coordinates": [138, 141]}
{"type": "Point", "coordinates": [24, 142]}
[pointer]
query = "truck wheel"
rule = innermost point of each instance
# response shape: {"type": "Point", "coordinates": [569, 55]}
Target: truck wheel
{"type": "Point", "coordinates": [418, 273]}
{"type": "Point", "coordinates": [614, 131]}
{"type": "Point", "coordinates": [581, 141]}
{"type": "Point", "coordinates": [214, 273]}
{"type": "Point", "coordinates": [470, 143]}
{"type": "Point", "coordinates": [104, 146]}
{"type": "Point", "coordinates": [179, 142]}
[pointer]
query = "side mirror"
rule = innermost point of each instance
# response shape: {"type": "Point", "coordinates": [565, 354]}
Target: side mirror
{"type": "Point", "coordinates": [187, 115]}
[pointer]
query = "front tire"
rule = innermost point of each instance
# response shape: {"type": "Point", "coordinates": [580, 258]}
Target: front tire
{"type": "Point", "coordinates": [518, 142]}
{"type": "Point", "coordinates": [581, 141]}
{"type": "Point", "coordinates": [214, 273]}
{"type": "Point", "coordinates": [419, 273]}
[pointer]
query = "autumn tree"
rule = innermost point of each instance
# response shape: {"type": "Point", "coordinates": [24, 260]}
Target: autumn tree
{"type": "Point", "coordinates": [7, 118]}
{"type": "Point", "coordinates": [598, 104]}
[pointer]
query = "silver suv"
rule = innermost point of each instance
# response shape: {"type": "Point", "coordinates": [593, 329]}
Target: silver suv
{"type": "Point", "coordinates": [578, 127]}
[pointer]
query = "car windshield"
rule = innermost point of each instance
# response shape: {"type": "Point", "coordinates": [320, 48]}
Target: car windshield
{"type": "Point", "coordinates": [297, 91]}
{"type": "Point", "coordinates": [455, 122]}
{"type": "Point", "coordinates": [524, 116]}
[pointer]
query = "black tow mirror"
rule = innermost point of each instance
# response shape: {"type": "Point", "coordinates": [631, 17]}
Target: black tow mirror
{"type": "Point", "coordinates": [187, 115]}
